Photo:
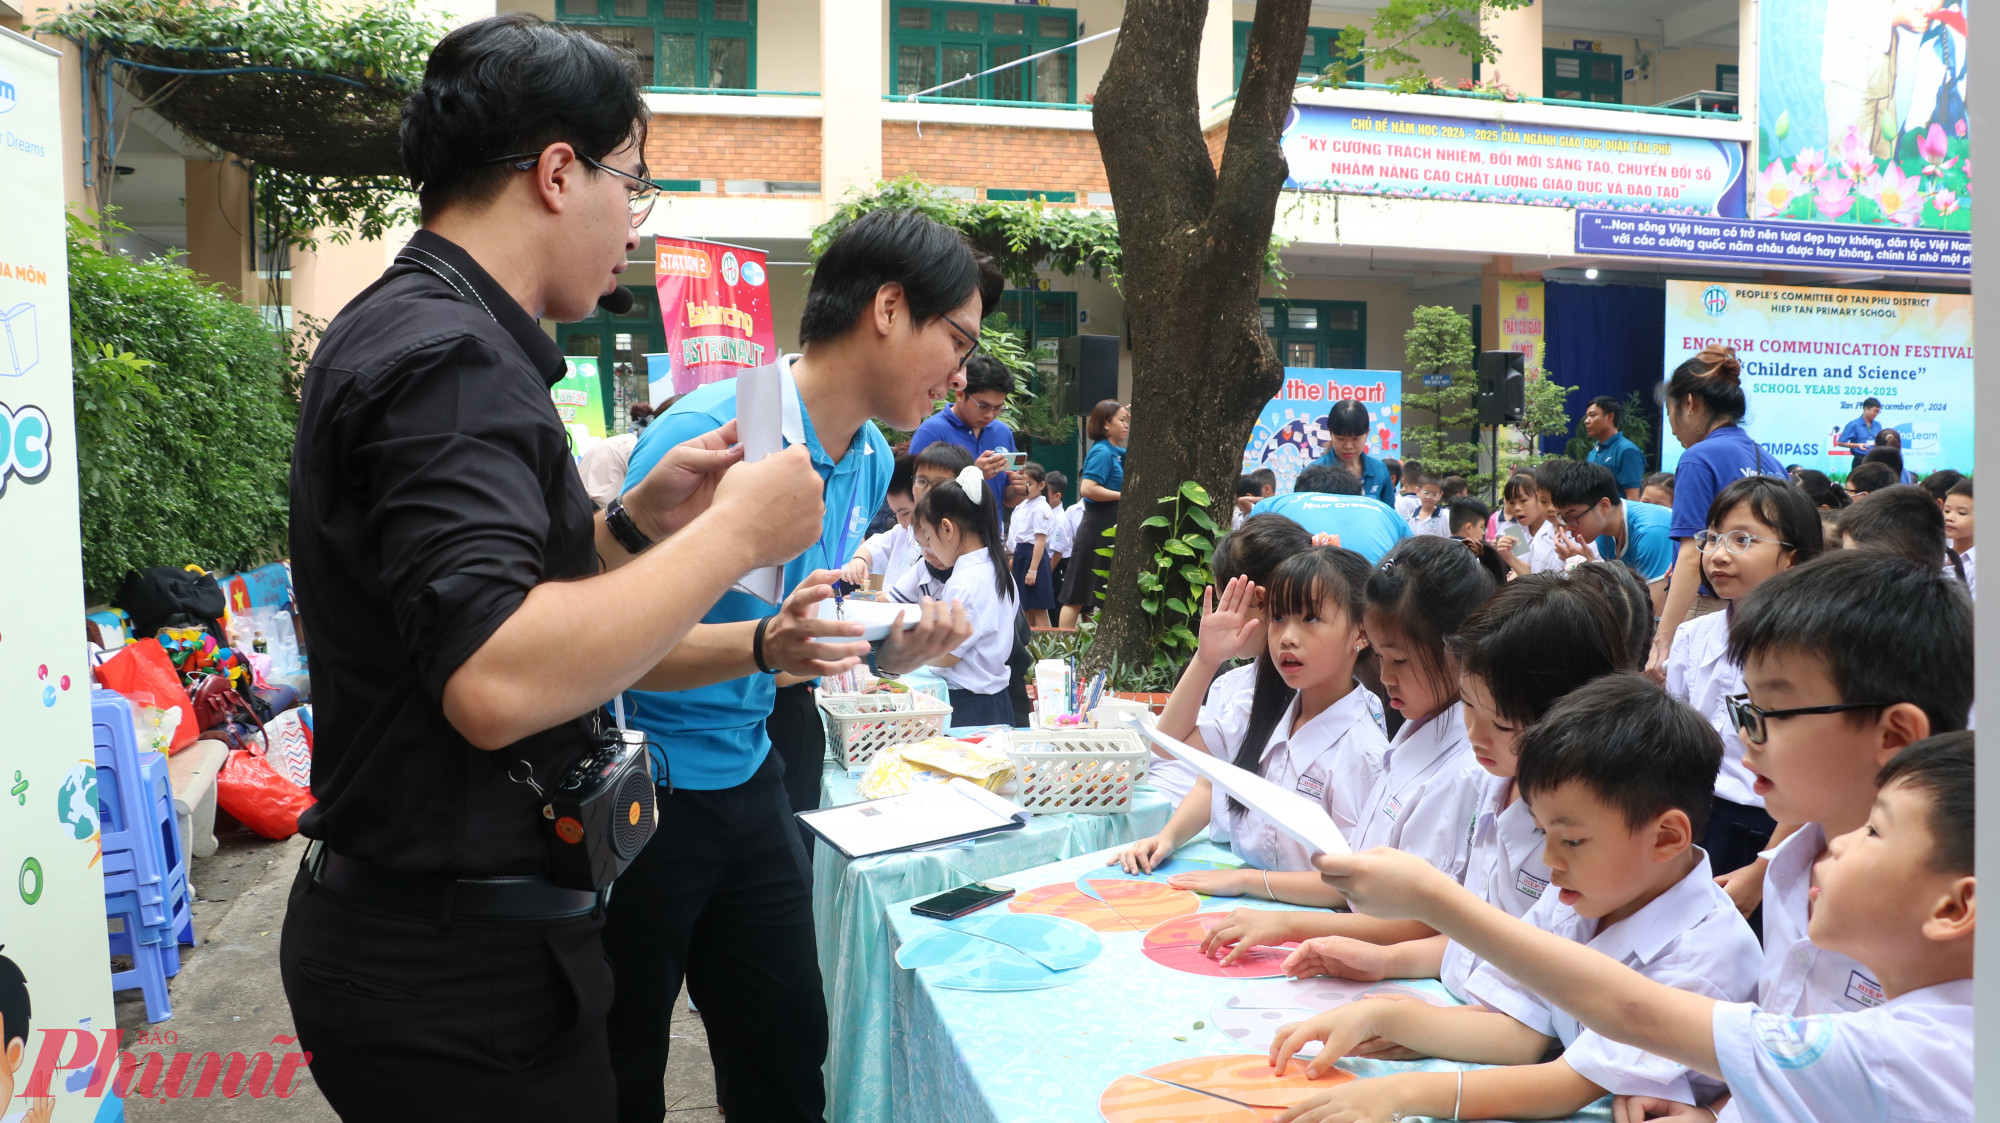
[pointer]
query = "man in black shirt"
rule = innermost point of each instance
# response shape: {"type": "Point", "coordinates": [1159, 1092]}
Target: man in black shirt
{"type": "Point", "coordinates": [448, 564]}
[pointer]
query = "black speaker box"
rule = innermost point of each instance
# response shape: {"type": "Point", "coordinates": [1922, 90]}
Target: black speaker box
{"type": "Point", "coordinates": [1502, 389]}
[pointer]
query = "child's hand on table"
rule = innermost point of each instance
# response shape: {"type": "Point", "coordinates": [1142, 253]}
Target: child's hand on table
{"type": "Point", "coordinates": [1218, 883]}
{"type": "Point", "coordinates": [1342, 1028]}
{"type": "Point", "coordinates": [855, 572]}
{"type": "Point", "coordinates": [1640, 1109]}
{"type": "Point", "coordinates": [1338, 957]}
{"type": "Point", "coordinates": [1357, 1101]}
{"type": "Point", "coordinates": [1245, 930]}
{"type": "Point", "coordinates": [1143, 855]}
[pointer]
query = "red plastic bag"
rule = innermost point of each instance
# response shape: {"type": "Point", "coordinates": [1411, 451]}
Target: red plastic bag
{"type": "Point", "coordinates": [142, 673]}
{"type": "Point", "coordinates": [259, 796]}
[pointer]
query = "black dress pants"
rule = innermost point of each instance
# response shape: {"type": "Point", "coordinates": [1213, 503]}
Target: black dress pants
{"type": "Point", "coordinates": [407, 1018]}
{"type": "Point", "coordinates": [721, 897]}
{"type": "Point", "coordinates": [798, 739]}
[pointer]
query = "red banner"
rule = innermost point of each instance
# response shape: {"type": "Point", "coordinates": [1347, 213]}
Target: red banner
{"type": "Point", "coordinates": [715, 301]}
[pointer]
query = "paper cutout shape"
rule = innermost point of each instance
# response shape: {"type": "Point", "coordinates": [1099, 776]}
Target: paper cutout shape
{"type": "Point", "coordinates": [1247, 1079]}
{"type": "Point", "coordinates": [1176, 943]}
{"type": "Point", "coordinates": [1254, 1016]}
{"type": "Point", "coordinates": [1160, 873]}
{"type": "Point", "coordinates": [1125, 906]}
{"type": "Point", "coordinates": [1001, 952]}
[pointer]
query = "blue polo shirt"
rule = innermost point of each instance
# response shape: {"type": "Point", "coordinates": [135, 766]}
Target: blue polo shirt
{"type": "Point", "coordinates": [1713, 463]}
{"type": "Point", "coordinates": [1367, 526]}
{"type": "Point", "coordinates": [1860, 431]}
{"type": "Point", "coordinates": [1375, 482]}
{"type": "Point", "coordinates": [1104, 465]}
{"type": "Point", "coordinates": [947, 426]}
{"type": "Point", "coordinates": [1649, 548]}
{"type": "Point", "coordinates": [713, 736]}
{"type": "Point", "coordinates": [1624, 459]}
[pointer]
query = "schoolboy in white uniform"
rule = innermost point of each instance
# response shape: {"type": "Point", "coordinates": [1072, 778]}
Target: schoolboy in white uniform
{"type": "Point", "coordinates": [892, 553]}
{"type": "Point", "coordinates": [1426, 795]}
{"type": "Point", "coordinates": [1700, 673]}
{"type": "Point", "coordinates": [1504, 866]}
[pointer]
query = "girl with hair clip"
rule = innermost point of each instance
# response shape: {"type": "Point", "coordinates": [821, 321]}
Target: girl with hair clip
{"type": "Point", "coordinates": [1525, 509]}
{"type": "Point", "coordinates": [1030, 542]}
{"type": "Point", "coordinates": [1757, 528]}
{"type": "Point", "coordinates": [1307, 728]}
{"type": "Point", "coordinates": [1704, 404]}
{"type": "Point", "coordinates": [1537, 639]}
{"type": "Point", "coordinates": [959, 534]}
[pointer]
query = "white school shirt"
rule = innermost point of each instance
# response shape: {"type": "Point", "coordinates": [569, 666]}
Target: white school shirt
{"type": "Point", "coordinates": [1330, 760]}
{"type": "Point", "coordinates": [1965, 559]}
{"type": "Point", "coordinates": [1030, 518]}
{"type": "Point", "coordinates": [982, 658]}
{"type": "Point", "coordinates": [1426, 797]}
{"type": "Point", "coordinates": [1409, 503]}
{"type": "Point", "coordinates": [1542, 556]}
{"type": "Point", "coordinates": [1798, 979]}
{"type": "Point", "coordinates": [892, 552]}
{"type": "Point", "coordinates": [1909, 1059]}
{"type": "Point", "coordinates": [1435, 525]}
{"type": "Point", "coordinates": [1504, 867]}
{"type": "Point", "coordinates": [1062, 532]}
{"type": "Point", "coordinates": [1690, 937]}
{"type": "Point", "coordinates": [1700, 673]}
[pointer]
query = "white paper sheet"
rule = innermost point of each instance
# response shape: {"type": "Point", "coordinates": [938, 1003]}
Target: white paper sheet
{"type": "Point", "coordinates": [933, 813]}
{"type": "Point", "coordinates": [760, 430]}
{"type": "Point", "coordinates": [1290, 812]}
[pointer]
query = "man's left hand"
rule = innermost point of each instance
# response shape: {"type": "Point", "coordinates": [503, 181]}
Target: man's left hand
{"type": "Point", "coordinates": [991, 464]}
{"type": "Point", "coordinates": [680, 486]}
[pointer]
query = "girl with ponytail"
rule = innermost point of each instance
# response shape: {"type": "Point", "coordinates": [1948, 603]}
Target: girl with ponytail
{"type": "Point", "coordinates": [958, 530]}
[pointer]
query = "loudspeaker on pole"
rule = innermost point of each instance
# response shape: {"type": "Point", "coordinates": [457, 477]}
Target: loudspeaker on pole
{"type": "Point", "coordinates": [1502, 387]}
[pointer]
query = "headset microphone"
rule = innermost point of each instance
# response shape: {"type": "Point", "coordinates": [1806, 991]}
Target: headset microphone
{"type": "Point", "coordinates": [617, 302]}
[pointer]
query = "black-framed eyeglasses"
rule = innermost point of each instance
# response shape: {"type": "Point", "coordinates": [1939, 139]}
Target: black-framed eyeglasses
{"type": "Point", "coordinates": [1750, 719]}
{"type": "Point", "coordinates": [641, 193]}
{"type": "Point", "coordinates": [971, 341]}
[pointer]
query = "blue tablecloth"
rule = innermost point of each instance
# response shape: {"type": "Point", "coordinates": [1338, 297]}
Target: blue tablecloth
{"type": "Point", "coordinates": [984, 1057]}
{"type": "Point", "coordinates": [856, 959]}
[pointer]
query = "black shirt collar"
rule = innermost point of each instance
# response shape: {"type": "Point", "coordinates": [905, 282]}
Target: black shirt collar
{"type": "Point", "coordinates": [528, 334]}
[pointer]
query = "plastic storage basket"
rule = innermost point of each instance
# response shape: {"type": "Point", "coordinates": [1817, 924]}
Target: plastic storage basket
{"type": "Point", "coordinates": [1079, 771]}
{"type": "Point", "coordinates": [860, 725]}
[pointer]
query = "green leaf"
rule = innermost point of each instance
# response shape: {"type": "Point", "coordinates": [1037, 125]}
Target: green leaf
{"type": "Point", "coordinates": [1195, 576]}
{"type": "Point", "coordinates": [1168, 499]}
{"type": "Point", "coordinates": [1111, 531]}
{"type": "Point", "coordinates": [1149, 583]}
{"type": "Point", "coordinates": [1178, 605]}
{"type": "Point", "coordinates": [1105, 551]}
{"type": "Point", "coordinates": [1203, 519]}
{"type": "Point", "coordinates": [1176, 546]}
{"type": "Point", "coordinates": [1195, 493]}
{"type": "Point", "coordinates": [1199, 542]}
{"type": "Point", "coordinates": [1187, 637]}
{"type": "Point", "coordinates": [1102, 572]}
{"type": "Point", "coordinates": [1151, 605]}
{"type": "Point", "coordinates": [1157, 520]}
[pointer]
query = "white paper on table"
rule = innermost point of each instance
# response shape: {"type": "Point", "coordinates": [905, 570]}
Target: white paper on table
{"type": "Point", "coordinates": [1290, 812]}
{"type": "Point", "coordinates": [931, 814]}
{"type": "Point", "coordinates": [760, 430]}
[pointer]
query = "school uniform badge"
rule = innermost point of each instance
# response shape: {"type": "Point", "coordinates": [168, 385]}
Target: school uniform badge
{"type": "Point", "coordinates": [1794, 1042]}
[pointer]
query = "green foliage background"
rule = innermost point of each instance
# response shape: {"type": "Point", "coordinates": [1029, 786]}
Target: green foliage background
{"type": "Point", "coordinates": [184, 419]}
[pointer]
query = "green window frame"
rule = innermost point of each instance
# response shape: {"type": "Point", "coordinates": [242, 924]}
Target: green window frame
{"type": "Point", "coordinates": [620, 345]}
{"type": "Point", "coordinates": [1045, 317]}
{"type": "Point", "coordinates": [931, 43]}
{"type": "Point", "coordinates": [1725, 78]}
{"type": "Point", "coordinates": [1319, 53]}
{"type": "Point", "coordinates": [1583, 76]}
{"type": "Point", "coordinates": [1330, 334]}
{"type": "Point", "coordinates": [691, 44]}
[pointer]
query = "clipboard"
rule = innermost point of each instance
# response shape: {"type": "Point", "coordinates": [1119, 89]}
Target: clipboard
{"type": "Point", "coordinates": [932, 814]}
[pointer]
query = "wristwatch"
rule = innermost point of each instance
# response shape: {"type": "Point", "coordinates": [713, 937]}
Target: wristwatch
{"type": "Point", "coordinates": [619, 522]}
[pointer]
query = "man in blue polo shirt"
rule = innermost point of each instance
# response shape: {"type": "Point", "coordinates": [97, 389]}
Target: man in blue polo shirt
{"type": "Point", "coordinates": [972, 422]}
{"type": "Point", "coordinates": [1327, 500]}
{"type": "Point", "coordinates": [721, 898]}
{"type": "Point", "coordinates": [1859, 435]}
{"type": "Point", "coordinates": [1588, 506]}
{"type": "Point", "coordinates": [1614, 450]}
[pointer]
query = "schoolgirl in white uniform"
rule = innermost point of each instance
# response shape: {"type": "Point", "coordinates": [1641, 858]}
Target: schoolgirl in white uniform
{"type": "Point", "coordinates": [1307, 729]}
{"type": "Point", "coordinates": [1028, 536]}
{"type": "Point", "coordinates": [957, 529]}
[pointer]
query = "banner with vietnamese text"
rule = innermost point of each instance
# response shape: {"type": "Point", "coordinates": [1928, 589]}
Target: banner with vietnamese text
{"type": "Point", "coordinates": [715, 300]}
{"type": "Point", "coordinates": [1291, 432]}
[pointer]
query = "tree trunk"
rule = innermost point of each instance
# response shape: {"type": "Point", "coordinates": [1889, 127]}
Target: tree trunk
{"type": "Point", "coordinates": [1194, 240]}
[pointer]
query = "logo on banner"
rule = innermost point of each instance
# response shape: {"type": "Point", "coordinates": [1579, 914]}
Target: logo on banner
{"type": "Point", "coordinates": [729, 268]}
{"type": "Point", "coordinates": [753, 274]}
{"type": "Point", "coordinates": [8, 94]}
{"type": "Point", "coordinates": [1715, 299]}
{"type": "Point", "coordinates": [24, 445]}
{"type": "Point", "coordinates": [682, 262]}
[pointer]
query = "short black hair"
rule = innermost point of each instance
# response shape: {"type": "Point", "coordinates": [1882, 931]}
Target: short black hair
{"type": "Point", "coordinates": [1630, 600]}
{"type": "Point", "coordinates": [1782, 506]}
{"type": "Point", "coordinates": [1888, 438]}
{"type": "Point", "coordinates": [1452, 487]}
{"type": "Point", "coordinates": [1660, 480]}
{"type": "Point", "coordinates": [1611, 407]}
{"type": "Point", "coordinates": [1892, 456]}
{"type": "Point", "coordinates": [1819, 488]}
{"type": "Point", "coordinates": [1871, 403]}
{"type": "Point", "coordinates": [1962, 486]}
{"type": "Point", "coordinates": [1328, 479]}
{"type": "Point", "coordinates": [941, 454]}
{"type": "Point", "coordinates": [1872, 475]}
{"type": "Point", "coordinates": [1631, 744]}
{"type": "Point", "coordinates": [1577, 482]}
{"type": "Point", "coordinates": [984, 372]}
{"type": "Point", "coordinates": [1247, 485]}
{"type": "Point", "coordinates": [1538, 638]}
{"type": "Point", "coordinates": [933, 263]}
{"type": "Point", "coordinates": [1941, 768]}
{"type": "Point", "coordinates": [903, 476]}
{"type": "Point", "coordinates": [1395, 467]}
{"type": "Point", "coordinates": [1903, 519]}
{"type": "Point", "coordinates": [1413, 470]}
{"type": "Point", "coordinates": [1466, 509]}
{"type": "Point", "coordinates": [15, 1008]}
{"type": "Point", "coordinates": [1939, 483]}
{"type": "Point", "coordinates": [1265, 477]}
{"type": "Point", "coordinates": [1347, 419]}
{"type": "Point", "coordinates": [513, 84]}
{"type": "Point", "coordinates": [1886, 629]}
{"type": "Point", "coordinates": [1058, 483]}
{"type": "Point", "coordinates": [1426, 587]}
{"type": "Point", "coordinates": [1254, 549]}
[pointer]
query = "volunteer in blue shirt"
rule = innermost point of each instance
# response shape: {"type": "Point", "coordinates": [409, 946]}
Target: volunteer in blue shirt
{"type": "Point", "coordinates": [1704, 404]}
{"type": "Point", "coordinates": [1614, 450]}
{"type": "Point", "coordinates": [1327, 500]}
{"type": "Point", "coordinates": [721, 898]}
{"type": "Point", "coordinates": [1347, 447]}
{"type": "Point", "coordinates": [1588, 505]}
{"type": "Point", "coordinates": [1859, 435]}
{"type": "Point", "coordinates": [972, 422]}
{"type": "Point", "coordinates": [1103, 482]}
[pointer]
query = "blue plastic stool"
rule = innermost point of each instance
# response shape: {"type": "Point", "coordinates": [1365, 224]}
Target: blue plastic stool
{"type": "Point", "coordinates": [135, 938]}
{"type": "Point", "coordinates": [145, 871]}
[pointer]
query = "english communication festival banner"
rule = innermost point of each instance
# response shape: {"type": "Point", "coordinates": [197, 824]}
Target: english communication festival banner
{"type": "Point", "coordinates": [54, 967]}
{"type": "Point", "coordinates": [1291, 432]}
{"type": "Point", "coordinates": [715, 302]}
{"type": "Point", "coordinates": [1811, 356]}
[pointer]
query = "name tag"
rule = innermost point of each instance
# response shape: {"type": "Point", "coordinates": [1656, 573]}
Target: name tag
{"type": "Point", "coordinates": [1312, 786]}
{"type": "Point", "coordinates": [1394, 808]}
{"type": "Point", "coordinates": [1529, 884]}
{"type": "Point", "coordinates": [1862, 989]}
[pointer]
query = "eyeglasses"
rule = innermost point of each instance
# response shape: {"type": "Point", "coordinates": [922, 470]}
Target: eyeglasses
{"type": "Point", "coordinates": [642, 193]}
{"type": "Point", "coordinates": [1750, 719]}
{"type": "Point", "coordinates": [985, 406]}
{"type": "Point", "coordinates": [971, 341]}
{"type": "Point", "coordinates": [1736, 541]}
{"type": "Point", "coordinates": [1569, 519]}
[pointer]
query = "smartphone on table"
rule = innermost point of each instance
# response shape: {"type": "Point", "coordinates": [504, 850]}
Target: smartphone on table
{"type": "Point", "coordinates": [964, 900]}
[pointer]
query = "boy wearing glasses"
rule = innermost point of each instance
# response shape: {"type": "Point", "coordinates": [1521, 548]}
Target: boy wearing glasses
{"type": "Point", "coordinates": [1830, 696]}
{"type": "Point", "coordinates": [973, 422]}
{"type": "Point", "coordinates": [1589, 506]}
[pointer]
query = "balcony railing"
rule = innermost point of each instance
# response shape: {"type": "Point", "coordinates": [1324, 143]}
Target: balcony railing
{"type": "Point", "coordinates": [1571, 103]}
{"type": "Point", "coordinates": [1073, 106]}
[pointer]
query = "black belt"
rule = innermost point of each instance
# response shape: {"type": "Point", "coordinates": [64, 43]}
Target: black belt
{"type": "Point", "coordinates": [444, 899]}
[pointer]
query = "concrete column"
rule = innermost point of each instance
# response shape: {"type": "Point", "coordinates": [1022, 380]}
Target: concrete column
{"type": "Point", "coordinates": [851, 67]}
{"type": "Point", "coordinates": [1518, 34]}
{"type": "Point", "coordinates": [1215, 79]}
{"type": "Point", "coordinates": [1749, 33]}
{"type": "Point", "coordinates": [218, 224]}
